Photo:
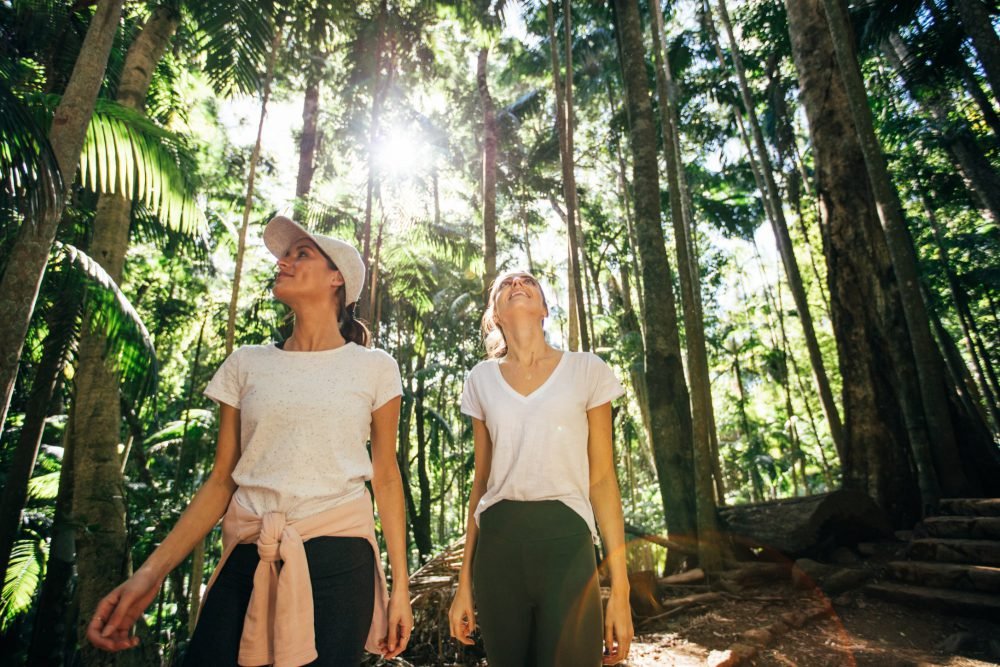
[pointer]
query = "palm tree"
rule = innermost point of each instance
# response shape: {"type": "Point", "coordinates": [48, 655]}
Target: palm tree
{"type": "Point", "coordinates": [29, 256]}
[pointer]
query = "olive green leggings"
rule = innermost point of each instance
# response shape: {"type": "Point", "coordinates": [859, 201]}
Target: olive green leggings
{"type": "Point", "coordinates": [535, 582]}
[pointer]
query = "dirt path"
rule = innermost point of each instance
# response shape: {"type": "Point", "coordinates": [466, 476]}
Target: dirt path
{"type": "Point", "coordinates": [854, 630]}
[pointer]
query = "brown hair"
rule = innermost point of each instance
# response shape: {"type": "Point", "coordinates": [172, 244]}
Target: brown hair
{"type": "Point", "coordinates": [352, 329]}
{"type": "Point", "coordinates": [493, 339]}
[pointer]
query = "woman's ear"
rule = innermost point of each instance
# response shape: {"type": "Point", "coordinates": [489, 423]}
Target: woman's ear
{"type": "Point", "coordinates": [336, 279]}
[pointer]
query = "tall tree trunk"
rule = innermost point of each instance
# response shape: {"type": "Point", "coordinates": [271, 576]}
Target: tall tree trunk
{"type": "Point", "coordinates": [489, 174]}
{"type": "Point", "coordinates": [980, 178]}
{"type": "Point", "coordinates": [96, 425]}
{"type": "Point", "coordinates": [310, 133]}
{"type": "Point", "coordinates": [30, 252]}
{"type": "Point", "coordinates": [248, 202]}
{"type": "Point", "coordinates": [669, 401]}
{"type": "Point", "coordinates": [880, 419]}
{"type": "Point", "coordinates": [52, 629]}
{"type": "Point", "coordinates": [783, 239]}
{"type": "Point", "coordinates": [564, 127]}
{"type": "Point", "coordinates": [943, 437]}
{"type": "Point", "coordinates": [978, 24]}
{"type": "Point", "coordinates": [380, 85]}
{"type": "Point", "coordinates": [689, 272]}
{"type": "Point", "coordinates": [62, 332]}
{"type": "Point", "coordinates": [422, 516]}
{"type": "Point", "coordinates": [965, 319]}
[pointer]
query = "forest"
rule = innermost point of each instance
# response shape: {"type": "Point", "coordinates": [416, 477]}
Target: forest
{"type": "Point", "coordinates": [778, 222]}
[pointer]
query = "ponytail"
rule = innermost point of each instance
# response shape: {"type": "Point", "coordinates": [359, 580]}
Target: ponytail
{"type": "Point", "coordinates": [351, 328]}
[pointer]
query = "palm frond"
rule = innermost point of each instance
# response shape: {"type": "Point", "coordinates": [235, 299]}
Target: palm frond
{"type": "Point", "coordinates": [21, 579]}
{"type": "Point", "coordinates": [110, 312]}
{"type": "Point", "coordinates": [126, 153]}
{"type": "Point", "coordinates": [236, 37]}
{"type": "Point", "coordinates": [44, 487]}
{"type": "Point", "coordinates": [30, 181]}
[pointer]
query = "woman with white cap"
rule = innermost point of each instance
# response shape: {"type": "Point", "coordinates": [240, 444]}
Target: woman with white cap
{"type": "Point", "coordinates": [300, 580]}
{"type": "Point", "coordinates": [544, 482]}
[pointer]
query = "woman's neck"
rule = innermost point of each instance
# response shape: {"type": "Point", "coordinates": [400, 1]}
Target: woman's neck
{"type": "Point", "coordinates": [526, 342]}
{"type": "Point", "coordinates": [314, 330]}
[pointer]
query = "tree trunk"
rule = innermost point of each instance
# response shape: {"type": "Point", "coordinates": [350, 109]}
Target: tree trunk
{"type": "Point", "coordinates": [669, 402]}
{"type": "Point", "coordinates": [48, 376]}
{"type": "Point", "coordinates": [489, 175]}
{"type": "Point", "coordinates": [564, 127]}
{"type": "Point", "coordinates": [30, 252]}
{"type": "Point", "coordinates": [422, 517]}
{"type": "Point", "coordinates": [880, 418]}
{"type": "Point", "coordinates": [310, 135]}
{"type": "Point", "coordinates": [943, 437]}
{"type": "Point", "coordinates": [51, 630]}
{"type": "Point", "coordinates": [965, 319]}
{"type": "Point", "coordinates": [978, 174]}
{"type": "Point", "coordinates": [248, 202]}
{"type": "Point", "coordinates": [783, 239]}
{"type": "Point", "coordinates": [702, 415]}
{"type": "Point", "coordinates": [379, 87]}
{"type": "Point", "coordinates": [978, 24]}
{"type": "Point", "coordinates": [95, 428]}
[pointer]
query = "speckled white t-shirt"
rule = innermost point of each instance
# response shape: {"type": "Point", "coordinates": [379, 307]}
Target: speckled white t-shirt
{"type": "Point", "coordinates": [540, 440]}
{"type": "Point", "coordinates": [305, 420]}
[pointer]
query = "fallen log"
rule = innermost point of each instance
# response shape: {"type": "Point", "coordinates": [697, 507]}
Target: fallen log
{"type": "Point", "coordinates": [643, 534]}
{"type": "Point", "coordinates": [807, 526]}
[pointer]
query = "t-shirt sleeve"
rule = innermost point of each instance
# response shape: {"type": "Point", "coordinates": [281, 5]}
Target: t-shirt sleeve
{"type": "Point", "coordinates": [471, 405]}
{"type": "Point", "coordinates": [388, 383]}
{"type": "Point", "coordinates": [604, 386]}
{"type": "Point", "coordinates": [226, 385]}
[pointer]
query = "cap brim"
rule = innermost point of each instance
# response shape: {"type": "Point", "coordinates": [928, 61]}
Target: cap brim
{"type": "Point", "coordinates": [281, 232]}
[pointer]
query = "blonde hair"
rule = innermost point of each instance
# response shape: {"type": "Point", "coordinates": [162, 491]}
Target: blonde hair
{"type": "Point", "coordinates": [493, 339]}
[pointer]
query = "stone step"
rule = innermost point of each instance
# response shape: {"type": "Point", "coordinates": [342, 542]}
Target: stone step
{"type": "Point", "coordinates": [976, 552]}
{"type": "Point", "coordinates": [968, 527]}
{"type": "Point", "coordinates": [981, 578]}
{"type": "Point", "coordinates": [962, 602]}
{"type": "Point", "coordinates": [970, 506]}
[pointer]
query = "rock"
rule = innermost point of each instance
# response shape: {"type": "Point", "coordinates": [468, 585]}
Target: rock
{"type": "Point", "coordinates": [731, 657]}
{"type": "Point", "coordinates": [844, 580]}
{"type": "Point", "coordinates": [843, 556]}
{"type": "Point", "coordinates": [807, 573]}
{"type": "Point", "coordinates": [959, 641]}
{"type": "Point", "coordinates": [757, 637]}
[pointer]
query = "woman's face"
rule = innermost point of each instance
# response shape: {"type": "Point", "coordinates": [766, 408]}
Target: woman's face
{"type": "Point", "coordinates": [304, 273]}
{"type": "Point", "coordinates": [519, 293]}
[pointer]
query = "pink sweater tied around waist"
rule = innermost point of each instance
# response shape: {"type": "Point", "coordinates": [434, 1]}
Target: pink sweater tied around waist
{"type": "Point", "coordinates": [278, 628]}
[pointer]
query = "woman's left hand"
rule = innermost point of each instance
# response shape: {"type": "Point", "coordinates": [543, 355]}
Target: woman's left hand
{"type": "Point", "coordinates": [400, 625]}
{"type": "Point", "coordinates": [618, 630]}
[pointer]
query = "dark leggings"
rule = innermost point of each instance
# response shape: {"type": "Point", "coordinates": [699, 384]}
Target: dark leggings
{"type": "Point", "coordinates": [342, 571]}
{"type": "Point", "coordinates": [535, 583]}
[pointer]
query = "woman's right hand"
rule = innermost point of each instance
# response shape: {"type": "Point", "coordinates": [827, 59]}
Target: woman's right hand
{"type": "Point", "coordinates": [462, 615]}
{"type": "Point", "coordinates": [120, 609]}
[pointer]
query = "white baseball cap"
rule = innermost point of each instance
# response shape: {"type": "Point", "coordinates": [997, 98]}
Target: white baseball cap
{"type": "Point", "coordinates": [281, 232]}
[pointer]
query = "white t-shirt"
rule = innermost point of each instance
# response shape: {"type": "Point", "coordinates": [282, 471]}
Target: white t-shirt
{"type": "Point", "coordinates": [305, 420]}
{"type": "Point", "coordinates": [540, 440]}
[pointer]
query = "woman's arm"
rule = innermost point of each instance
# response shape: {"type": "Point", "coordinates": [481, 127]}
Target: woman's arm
{"type": "Point", "coordinates": [120, 609]}
{"type": "Point", "coordinates": [388, 487]}
{"type": "Point", "coordinates": [462, 614]}
{"type": "Point", "coordinates": [607, 502]}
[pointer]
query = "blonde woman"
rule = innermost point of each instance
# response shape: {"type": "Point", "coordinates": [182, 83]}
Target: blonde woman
{"type": "Point", "coordinates": [544, 472]}
{"type": "Point", "coordinates": [300, 580]}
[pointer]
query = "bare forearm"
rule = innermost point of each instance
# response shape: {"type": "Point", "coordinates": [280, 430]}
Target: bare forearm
{"type": "Point", "coordinates": [606, 500]}
{"type": "Point", "coordinates": [205, 510]}
{"type": "Point", "coordinates": [471, 533]}
{"type": "Point", "coordinates": [392, 512]}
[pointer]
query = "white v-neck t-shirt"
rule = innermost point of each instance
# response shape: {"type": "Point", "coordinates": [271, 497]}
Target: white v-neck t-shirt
{"type": "Point", "coordinates": [305, 420]}
{"type": "Point", "coordinates": [540, 440]}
